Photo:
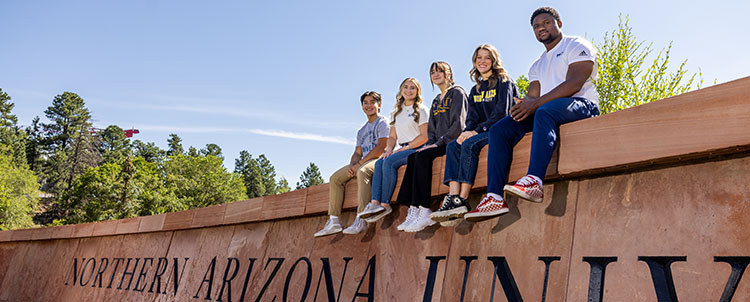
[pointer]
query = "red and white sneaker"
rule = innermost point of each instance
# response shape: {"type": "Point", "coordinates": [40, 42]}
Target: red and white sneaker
{"type": "Point", "coordinates": [527, 188]}
{"type": "Point", "coordinates": [488, 208]}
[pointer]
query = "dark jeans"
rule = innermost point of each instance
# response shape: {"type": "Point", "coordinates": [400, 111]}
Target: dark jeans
{"type": "Point", "coordinates": [461, 160]}
{"type": "Point", "coordinates": [415, 188]}
{"type": "Point", "coordinates": [545, 126]}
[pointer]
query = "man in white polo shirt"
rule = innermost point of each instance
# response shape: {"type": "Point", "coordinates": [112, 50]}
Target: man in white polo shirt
{"type": "Point", "coordinates": [560, 91]}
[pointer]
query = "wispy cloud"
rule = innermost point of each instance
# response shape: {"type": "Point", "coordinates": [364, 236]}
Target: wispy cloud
{"type": "Point", "coordinates": [231, 108]}
{"type": "Point", "coordinates": [303, 136]}
{"type": "Point", "coordinates": [265, 132]}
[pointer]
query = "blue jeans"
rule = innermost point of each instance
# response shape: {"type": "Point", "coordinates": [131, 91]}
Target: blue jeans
{"type": "Point", "coordinates": [545, 126]}
{"type": "Point", "coordinates": [461, 160]}
{"type": "Point", "coordinates": [385, 175]}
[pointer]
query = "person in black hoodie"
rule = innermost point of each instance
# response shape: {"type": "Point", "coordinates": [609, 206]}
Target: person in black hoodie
{"type": "Point", "coordinates": [447, 119]}
{"type": "Point", "coordinates": [489, 101]}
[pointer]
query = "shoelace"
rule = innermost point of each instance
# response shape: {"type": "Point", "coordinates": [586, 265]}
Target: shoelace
{"type": "Point", "coordinates": [446, 203]}
{"type": "Point", "coordinates": [526, 181]}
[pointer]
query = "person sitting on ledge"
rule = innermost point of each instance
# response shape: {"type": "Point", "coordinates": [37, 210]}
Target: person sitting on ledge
{"type": "Point", "coordinates": [409, 131]}
{"type": "Point", "coordinates": [560, 91]}
{"type": "Point", "coordinates": [447, 119]}
{"type": "Point", "coordinates": [489, 101]}
{"type": "Point", "coordinates": [371, 141]}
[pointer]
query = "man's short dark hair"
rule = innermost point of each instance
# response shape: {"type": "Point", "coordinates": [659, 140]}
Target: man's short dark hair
{"type": "Point", "coordinates": [373, 94]}
{"type": "Point", "coordinates": [545, 10]}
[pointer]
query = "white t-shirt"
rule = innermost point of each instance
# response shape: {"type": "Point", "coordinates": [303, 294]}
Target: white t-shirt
{"type": "Point", "coordinates": [368, 135]}
{"type": "Point", "coordinates": [406, 129]}
{"type": "Point", "coordinates": [552, 66]}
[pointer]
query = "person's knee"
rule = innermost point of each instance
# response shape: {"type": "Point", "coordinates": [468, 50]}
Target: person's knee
{"type": "Point", "coordinates": [363, 173]}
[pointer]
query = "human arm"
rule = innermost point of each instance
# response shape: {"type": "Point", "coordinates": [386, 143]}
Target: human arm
{"type": "Point", "coordinates": [417, 141]}
{"type": "Point", "coordinates": [354, 165]}
{"type": "Point", "coordinates": [457, 116]}
{"type": "Point", "coordinates": [354, 161]}
{"type": "Point", "coordinates": [432, 123]}
{"type": "Point", "coordinates": [575, 77]}
{"type": "Point", "coordinates": [390, 144]}
{"type": "Point", "coordinates": [505, 93]}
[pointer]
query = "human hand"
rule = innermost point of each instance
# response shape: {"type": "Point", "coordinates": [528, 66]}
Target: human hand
{"type": "Point", "coordinates": [352, 171]}
{"type": "Point", "coordinates": [524, 108]}
{"type": "Point", "coordinates": [464, 136]}
{"type": "Point", "coordinates": [426, 147]}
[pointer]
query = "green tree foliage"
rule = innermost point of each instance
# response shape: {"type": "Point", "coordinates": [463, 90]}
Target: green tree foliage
{"type": "Point", "coordinates": [282, 186]}
{"type": "Point", "coordinates": [311, 177]}
{"type": "Point", "coordinates": [69, 144]}
{"type": "Point", "coordinates": [18, 194]}
{"type": "Point", "coordinates": [12, 138]}
{"type": "Point", "coordinates": [35, 146]}
{"type": "Point", "coordinates": [212, 150]}
{"type": "Point", "coordinates": [268, 174]}
{"type": "Point", "coordinates": [121, 189]}
{"type": "Point", "coordinates": [523, 85]}
{"type": "Point", "coordinates": [201, 181]}
{"type": "Point", "coordinates": [192, 151]}
{"type": "Point", "coordinates": [149, 151]}
{"type": "Point", "coordinates": [251, 174]}
{"type": "Point", "coordinates": [175, 145]}
{"type": "Point", "coordinates": [114, 146]}
{"type": "Point", "coordinates": [622, 81]}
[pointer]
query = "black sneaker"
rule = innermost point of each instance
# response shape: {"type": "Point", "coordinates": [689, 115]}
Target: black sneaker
{"type": "Point", "coordinates": [453, 206]}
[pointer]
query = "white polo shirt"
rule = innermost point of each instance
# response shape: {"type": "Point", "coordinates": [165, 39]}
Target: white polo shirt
{"type": "Point", "coordinates": [552, 66]}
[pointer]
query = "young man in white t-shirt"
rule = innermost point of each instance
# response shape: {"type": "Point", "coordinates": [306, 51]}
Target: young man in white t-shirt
{"type": "Point", "coordinates": [560, 91]}
{"type": "Point", "coordinates": [371, 141]}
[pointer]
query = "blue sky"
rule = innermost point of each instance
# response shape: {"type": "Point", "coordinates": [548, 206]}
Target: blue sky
{"type": "Point", "coordinates": [283, 78]}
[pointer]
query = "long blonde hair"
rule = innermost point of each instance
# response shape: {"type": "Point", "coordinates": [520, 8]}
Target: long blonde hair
{"type": "Point", "coordinates": [400, 101]}
{"type": "Point", "coordinates": [498, 72]}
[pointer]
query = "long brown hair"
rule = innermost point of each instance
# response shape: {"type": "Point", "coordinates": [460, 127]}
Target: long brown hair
{"type": "Point", "coordinates": [400, 101]}
{"type": "Point", "coordinates": [445, 68]}
{"type": "Point", "coordinates": [498, 72]}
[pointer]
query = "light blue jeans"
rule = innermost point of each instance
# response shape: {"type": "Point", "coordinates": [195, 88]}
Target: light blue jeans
{"type": "Point", "coordinates": [385, 175]}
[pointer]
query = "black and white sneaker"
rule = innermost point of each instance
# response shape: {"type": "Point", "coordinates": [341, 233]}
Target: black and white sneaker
{"type": "Point", "coordinates": [453, 206]}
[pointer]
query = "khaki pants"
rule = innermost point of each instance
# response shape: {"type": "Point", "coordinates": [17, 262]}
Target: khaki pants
{"type": "Point", "coordinates": [338, 183]}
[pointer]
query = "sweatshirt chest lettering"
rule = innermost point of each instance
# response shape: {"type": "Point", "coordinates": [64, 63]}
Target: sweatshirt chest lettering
{"type": "Point", "coordinates": [485, 96]}
{"type": "Point", "coordinates": [442, 106]}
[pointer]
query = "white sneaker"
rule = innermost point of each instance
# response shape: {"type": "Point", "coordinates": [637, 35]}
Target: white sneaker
{"type": "Point", "coordinates": [379, 215]}
{"type": "Point", "coordinates": [358, 226]}
{"type": "Point", "coordinates": [370, 210]}
{"type": "Point", "coordinates": [409, 218]}
{"type": "Point", "coordinates": [332, 227]}
{"type": "Point", "coordinates": [421, 221]}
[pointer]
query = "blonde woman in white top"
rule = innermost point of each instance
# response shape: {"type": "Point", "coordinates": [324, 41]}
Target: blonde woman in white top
{"type": "Point", "coordinates": [407, 134]}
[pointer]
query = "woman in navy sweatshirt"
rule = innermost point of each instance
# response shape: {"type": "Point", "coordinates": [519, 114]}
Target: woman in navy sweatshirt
{"type": "Point", "coordinates": [447, 119]}
{"type": "Point", "coordinates": [489, 101]}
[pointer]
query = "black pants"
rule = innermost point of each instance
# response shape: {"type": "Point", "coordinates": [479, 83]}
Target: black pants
{"type": "Point", "coordinates": [415, 188]}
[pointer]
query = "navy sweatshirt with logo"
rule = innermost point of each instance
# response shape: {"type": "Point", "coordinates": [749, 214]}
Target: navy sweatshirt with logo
{"type": "Point", "coordinates": [487, 105]}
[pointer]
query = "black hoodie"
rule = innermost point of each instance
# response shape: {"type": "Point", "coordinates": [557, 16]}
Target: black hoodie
{"type": "Point", "coordinates": [447, 117]}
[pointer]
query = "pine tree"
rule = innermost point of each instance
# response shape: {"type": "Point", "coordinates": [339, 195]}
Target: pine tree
{"type": "Point", "coordinates": [12, 138]}
{"type": "Point", "coordinates": [268, 174]}
{"type": "Point", "coordinates": [251, 174]}
{"type": "Point", "coordinates": [148, 151]}
{"type": "Point", "coordinates": [212, 150]}
{"type": "Point", "coordinates": [311, 177]}
{"type": "Point", "coordinates": [282, 186]}
{"type": "Point", "coordinates": [175, 145]}
{"type": "Point", "coordinates": [113, 144]}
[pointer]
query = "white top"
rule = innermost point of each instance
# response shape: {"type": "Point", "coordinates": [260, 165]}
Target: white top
{"type": "Point", "coordinates": [552, 66]}
{"type": "Point", "coordinates": [406, 129]}
{"type": "Point", "coordinates": [368, 135]}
